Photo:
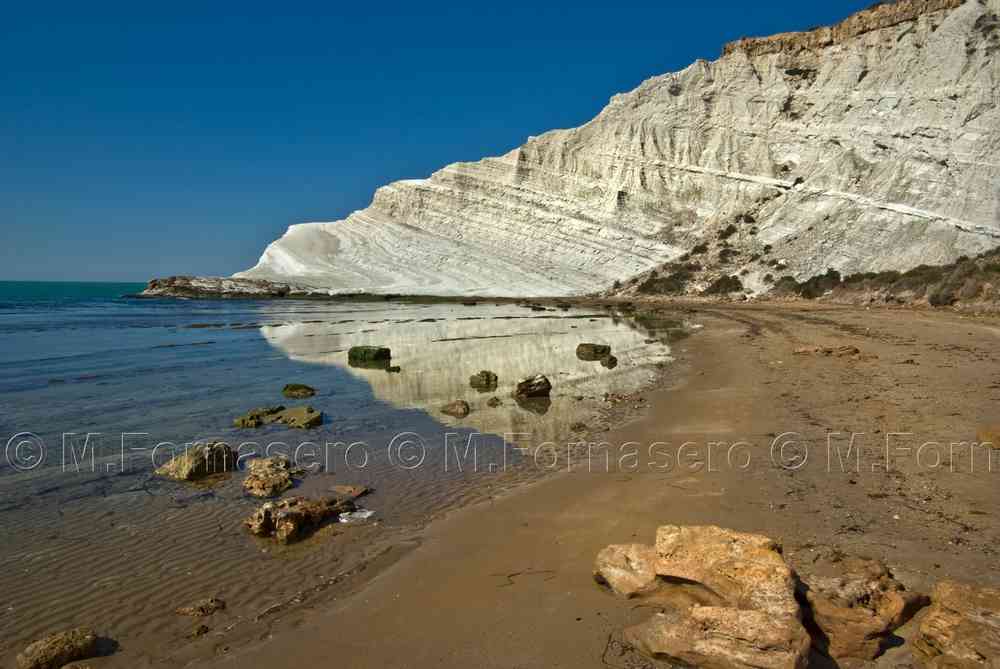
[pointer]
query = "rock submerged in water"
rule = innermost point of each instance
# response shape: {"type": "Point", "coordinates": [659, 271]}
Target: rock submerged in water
{"type": "Point", "coordinates": [485, 381]}
{"type": "Point", "coordinates": [961, 629]}
{"type": "Point", "coordinates": [268, 477]}
{"type": "Point", "coordinates": [293, 519]}
{"type": "Point", "coordinates": [742, 614]}
{"type": "Point", "coordinates": [857, 604]}
{"type": "Point", "coordinates": [368, 354]}
{"type": "Point", "coordinates": [199, 461]}
{"type": "Point", "coordinates": [494, 402]}
{"type": "Point", "coordinates": [298, 391]}
{"type": "Point", "coordinates": [458, 409]}
{"type": "Point", "coordinates": [592, 352]}
{"type": "Point", "coordinates": [303, 417]}
{"type": "Point", "coordinates": [258, 417]}
{"type": "Point", "coordinates": [59, 649]}
{"type": "Point", "coordinates": [349, 492]}
{"type": "Point", "coordinates": [533, 386]}
{"type": "Point", "coordinates": [202, 608]}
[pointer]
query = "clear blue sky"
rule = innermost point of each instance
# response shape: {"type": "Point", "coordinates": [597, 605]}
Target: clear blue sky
{"type": "Point", "coordinates": [145, 139]}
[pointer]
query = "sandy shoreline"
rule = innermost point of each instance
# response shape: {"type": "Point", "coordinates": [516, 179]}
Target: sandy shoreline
{"type": "Point", "coordinates": [507, 583]}
{"type": "Point", "coordinates": [505, 579]}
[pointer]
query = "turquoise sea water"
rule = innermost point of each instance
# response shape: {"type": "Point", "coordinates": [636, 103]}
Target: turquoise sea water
{"type": "Point", "coordinates": [64, 291]}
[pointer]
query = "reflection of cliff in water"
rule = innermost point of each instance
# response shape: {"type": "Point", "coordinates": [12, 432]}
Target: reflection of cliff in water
{"type": "Point", "coordinates": [437, 348]}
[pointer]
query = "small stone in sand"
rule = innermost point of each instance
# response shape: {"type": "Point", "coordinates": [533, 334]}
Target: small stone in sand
{"type": "Point", "coordinates": [485, 381]}
{"type": "Point", "coordinates": [458, 409]}
{"type": "Point", "coordinates": [533, 386]}
{"type": "Point", "coordinates": [201, 608]}
{"type": "Point", "coordinates": [592, 352]}
{"type": "Point", "coordinates": [494, 402]}
{"type": "Point", "coordinates": [349, 491]}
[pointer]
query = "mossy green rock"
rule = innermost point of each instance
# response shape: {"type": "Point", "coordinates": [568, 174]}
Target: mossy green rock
{"type": "Point", "coordinates": [362, 354]}
{"type": "Point", "coordinates": [298, 391]}
{"type": "Point", "coordinates": [59, 650]}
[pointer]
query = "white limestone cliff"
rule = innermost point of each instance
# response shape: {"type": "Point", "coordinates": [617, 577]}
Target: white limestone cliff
{"type": "Point", "coordinates": [870, 145]}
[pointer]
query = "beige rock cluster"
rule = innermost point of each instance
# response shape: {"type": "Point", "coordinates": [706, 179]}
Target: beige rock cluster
{"type": "Point", "coordinates": [295, 518]}
{"type": "Point", "coordinates": [268, 477]}
{"type": "Point", "coordinates": [729, 601]}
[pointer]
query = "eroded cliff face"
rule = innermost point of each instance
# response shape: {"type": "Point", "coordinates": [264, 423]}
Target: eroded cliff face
{"type": "Point", "coordinates": [870, 145]}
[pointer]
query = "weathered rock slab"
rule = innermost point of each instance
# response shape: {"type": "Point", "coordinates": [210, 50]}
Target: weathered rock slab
{"type": "Point", "coordinates": [300, 417]}
{"type": "Point", "coordinates": [722, 638]}
{"type": "Point", "coordinates": [741, 612]}
{"type": "Point", "coordinates": [961, 630]}
{"type": "Point", "coordinates": [856, 604]}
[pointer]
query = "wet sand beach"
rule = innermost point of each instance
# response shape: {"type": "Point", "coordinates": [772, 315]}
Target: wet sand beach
{"type": "Point", "coordinates": [508, 583]}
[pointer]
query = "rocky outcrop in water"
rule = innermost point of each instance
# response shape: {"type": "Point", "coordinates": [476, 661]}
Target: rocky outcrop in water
{"type": "Point", "coordinates": [199, 461]}
{"type": "Point", "coordinates": [866, 146]}
{"type": "Point", "coordinates": [301, 417]}
{"type": "Point", "coordinates": [295, 518]}
{"type": "Point", "coordinates": [59, 649]}
{"type": "Point", "coordinates": [268, 477]}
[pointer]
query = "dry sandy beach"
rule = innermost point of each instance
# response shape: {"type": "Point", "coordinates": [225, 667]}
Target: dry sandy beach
{"type": "Point", "coordinates": [508, 582]}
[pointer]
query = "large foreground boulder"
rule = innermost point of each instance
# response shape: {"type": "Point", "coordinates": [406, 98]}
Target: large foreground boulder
{"type": "Point", "coordinates": [855, 605]}
{"type": "Point", "coordinates": [961, 630]}
{"type": "Point", "coordinates": [746, 570]}
{"type": "Point", "coordinates": [199, 461]}
{"type": "Point", "coordinates": [295, 518]}
{"type": "Point", "coordinates": [745, 616]}
{"type": "Point", "coordinates": [59, 649]}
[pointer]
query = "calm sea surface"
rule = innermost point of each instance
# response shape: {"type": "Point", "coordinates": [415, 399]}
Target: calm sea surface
{"type": "Point", "coordinates": [96, 388]}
